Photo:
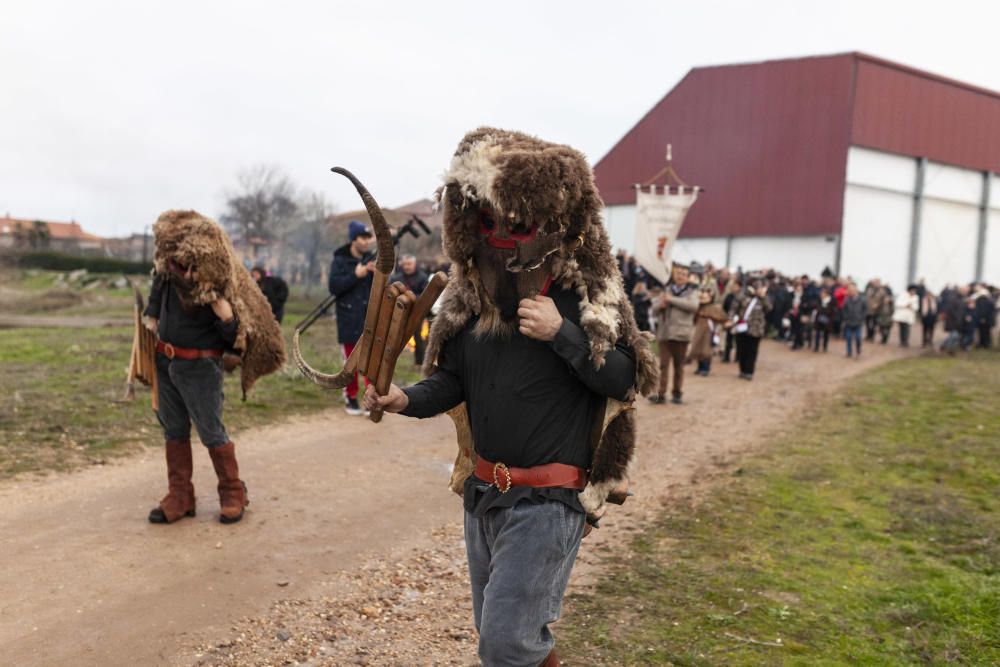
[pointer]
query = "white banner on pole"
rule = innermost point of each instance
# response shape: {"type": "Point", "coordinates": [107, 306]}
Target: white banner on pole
{"type": "Point", "coordinates": [658, 220]}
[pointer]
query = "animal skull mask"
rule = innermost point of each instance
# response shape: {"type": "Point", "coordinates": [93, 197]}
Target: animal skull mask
{"type": "Point", "coordinates": [513, 206]}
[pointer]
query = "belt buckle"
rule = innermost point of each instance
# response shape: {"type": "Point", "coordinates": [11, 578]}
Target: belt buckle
{"type": "Point", "coordinates": [169, 351]}
{"type": "Point", "coordinates": [497, 467]}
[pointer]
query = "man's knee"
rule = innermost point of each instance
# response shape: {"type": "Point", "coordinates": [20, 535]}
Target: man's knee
{"type": "Point", "coordinates": [174, 428]}
{"type": "Point", "coordinates": [508, 647]}
{"type": "Point", "coordinates": [516, 634]}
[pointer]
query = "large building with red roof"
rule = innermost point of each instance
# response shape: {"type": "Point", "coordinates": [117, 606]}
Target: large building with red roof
{"type": "Point", "coordinates": [45, 234]}
{"type": "Point", "coordinates": [865, 166]}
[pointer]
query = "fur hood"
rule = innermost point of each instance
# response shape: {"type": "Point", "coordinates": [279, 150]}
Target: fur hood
{"type": "Point", "coordinates": [536, 183]}
{"type": "Point", "coordinates": [188, 239]}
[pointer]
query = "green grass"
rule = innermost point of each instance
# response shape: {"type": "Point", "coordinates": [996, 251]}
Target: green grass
{"type": "Point", "coordinates": [870, 537]}
{"type": "Point", "coordinates": [58, 391]}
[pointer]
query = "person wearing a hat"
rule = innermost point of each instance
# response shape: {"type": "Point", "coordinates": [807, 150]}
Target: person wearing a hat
{"type": "Point", "coordinates": [351, 282]}
{"type": "Point", "coordinates": [274, 288]}
{"type": "Point", "coordinates": [675, 311]}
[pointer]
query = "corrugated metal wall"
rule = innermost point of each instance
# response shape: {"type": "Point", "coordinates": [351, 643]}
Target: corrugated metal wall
{"type": "Point", "coordinates": [901, 110]}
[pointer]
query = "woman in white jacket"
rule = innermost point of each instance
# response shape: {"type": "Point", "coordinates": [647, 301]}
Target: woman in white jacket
{"type": "Point", "coordinates": [905, 313]}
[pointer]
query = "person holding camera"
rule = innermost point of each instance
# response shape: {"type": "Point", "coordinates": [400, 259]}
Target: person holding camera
{"type": "Point", "coordinates": [351, 282]}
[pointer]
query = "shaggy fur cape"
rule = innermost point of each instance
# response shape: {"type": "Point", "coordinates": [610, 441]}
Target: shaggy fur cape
{"type": "Point", "coordinates": [524, 178]}
{"type": "Point", "coordinates": [191, 239]}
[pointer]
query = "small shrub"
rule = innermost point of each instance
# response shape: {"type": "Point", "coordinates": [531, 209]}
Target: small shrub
{"type": "Point", "coordinates": [54, 261]}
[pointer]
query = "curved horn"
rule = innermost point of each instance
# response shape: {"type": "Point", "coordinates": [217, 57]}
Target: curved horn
{"type": "Point", "coordinates": [338, 381]}
{"type": "Point", "coordinates": [386, 260]}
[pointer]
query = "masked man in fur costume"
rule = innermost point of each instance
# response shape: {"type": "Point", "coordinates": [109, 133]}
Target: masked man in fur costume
{"type": "Point", "coordinates": [203, 303]}
{"type": "Point", "coordinates": [536, 355]}
{"type": "Point", "coordinates": [709, 322]}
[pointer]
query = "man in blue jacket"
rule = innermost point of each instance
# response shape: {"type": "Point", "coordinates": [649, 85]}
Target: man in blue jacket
{"type": "Point", "coordinates": [351, 282]}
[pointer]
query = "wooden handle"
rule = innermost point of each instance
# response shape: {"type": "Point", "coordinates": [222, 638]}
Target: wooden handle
{"type": "Point", "coordinates": [394, 342]}
{"type": "Point", "coordinates": [375, 301]}
{"type": "Point", "coordinates": [385, 312]}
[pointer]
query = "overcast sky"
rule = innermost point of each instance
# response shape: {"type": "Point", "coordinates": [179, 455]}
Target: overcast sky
{"type": "Point", "coordinates": [111, 112]}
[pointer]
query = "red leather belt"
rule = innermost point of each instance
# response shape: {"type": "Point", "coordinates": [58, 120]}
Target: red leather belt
{"type": "Point", "coordinates": [550, 475]}
{"type": "Point", "coordinates": [171, 352]}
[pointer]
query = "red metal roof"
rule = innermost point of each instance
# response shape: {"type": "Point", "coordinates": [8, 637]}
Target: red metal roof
{"type": "Point", "coordinates": [903, 110]}
{"type": "Point", "coordinates": [768, 141]}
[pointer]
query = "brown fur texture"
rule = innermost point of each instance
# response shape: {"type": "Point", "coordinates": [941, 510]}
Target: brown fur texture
{"type": "Point", "coordinates": [190, 239]}
{"type": "Point", "coordinates": [525, 179]}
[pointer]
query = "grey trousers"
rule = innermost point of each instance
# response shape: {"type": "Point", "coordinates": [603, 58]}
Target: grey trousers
{"type": "Point", "coordinates": [191, 391]}
{"type": "Point", "coordinates": [520, 558]}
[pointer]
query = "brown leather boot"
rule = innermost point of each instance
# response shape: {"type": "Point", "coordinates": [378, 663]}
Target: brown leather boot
{"type": "Point", "coordinates": [179, 501]}
{"type": "Point", "coordinates": [232, 491]}
{"type": "Point", "coordinates": [552, 660]}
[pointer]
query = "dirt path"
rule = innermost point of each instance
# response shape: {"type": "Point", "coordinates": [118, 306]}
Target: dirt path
{"type": "Point", "coordinates": [351, 550]}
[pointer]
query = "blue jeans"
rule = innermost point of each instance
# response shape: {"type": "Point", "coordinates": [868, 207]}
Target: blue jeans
{"type": "Point", "coordinates": [191, 391]}
{"type": "Point", "coordinates": [520, 558]}
{"type": "Point", "coordinates": [852, 333]}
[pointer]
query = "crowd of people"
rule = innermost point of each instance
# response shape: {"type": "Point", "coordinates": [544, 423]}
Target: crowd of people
{"type": "Point", "coordinates": [704, 312]}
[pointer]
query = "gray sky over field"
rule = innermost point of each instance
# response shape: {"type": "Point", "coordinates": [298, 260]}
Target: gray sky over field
{"type": "Point", "coordinates": [111, 112]}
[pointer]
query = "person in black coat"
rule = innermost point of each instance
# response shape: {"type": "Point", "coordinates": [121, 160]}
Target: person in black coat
{"type": "Point", "coordinates": [274, 288]}
{"type": "Point", "coordinates": [641, 304]}
{"type": "Point", "coordinates": [984, 315]}
{"type": "Point", "coordinates": [416, 281]}
{"type": "Point", "coordinates": [823, 313]}
{"type": "Point", "coordinates": [351, 282]}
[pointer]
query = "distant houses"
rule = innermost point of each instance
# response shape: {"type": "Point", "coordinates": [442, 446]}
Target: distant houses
{"type": "Point", "coordinates": [26, 234]}
{"type": "Point", "coordinates": [66, 237]}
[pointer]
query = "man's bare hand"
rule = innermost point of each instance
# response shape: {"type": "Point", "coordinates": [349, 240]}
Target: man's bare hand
{"type": "Point", "coordinates": [152, 323]}
{"type": "Point", "coordinates": [394, 400]}
{"type": "Point", "coordinates": [222, 309]}
{"type": "Point", "coordinates": [361, 270]}
{"type": "Point", "coordinates": [540, 319]}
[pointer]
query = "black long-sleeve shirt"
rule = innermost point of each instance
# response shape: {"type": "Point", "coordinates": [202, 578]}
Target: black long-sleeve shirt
{"type": "Point", "coordinates": [198, 328]}
{"type": "Point", "coordinates": [529, 402]}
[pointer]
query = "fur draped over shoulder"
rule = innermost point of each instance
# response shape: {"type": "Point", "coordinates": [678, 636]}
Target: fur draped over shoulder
{"type": "Point", "coordinates": [189, 239]}
{"type": "Point", "coordinates": [551, 186]}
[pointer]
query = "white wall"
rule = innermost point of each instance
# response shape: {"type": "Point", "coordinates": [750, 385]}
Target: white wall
{"type": "Point", "coordinates": [620, 223]}
{"type": "Point", "coordinates": [878, 217]}
{"type": "Point", "coordinates": [885, 171]}
{"type": "Point", "coordinates": [701, 250]}
{"type": "Point", "coordinates": [878, 221]}
{"type": "Point", "coordinates": [991, 264]}
{"type": "Point", "coordinates": [947, 249]}
{"type": "Point", "coordinates": [949, 225]}
{"type": "Point", "coordinates": [991, 258]}
{"type": "Point", "coordinates": [942, 181]}
{"type": "Point", "coordinates": [792, 255]}
{"type": "Point", "coordinates": [876, 236]}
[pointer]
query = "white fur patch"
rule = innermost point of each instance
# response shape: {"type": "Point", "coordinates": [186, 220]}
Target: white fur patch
{"type": "Point", "coordinates": [594, 496]}
{"type": "Point", "coordinates": [475, 171]}
{"type": "Point", "coordinates": [604, 308]}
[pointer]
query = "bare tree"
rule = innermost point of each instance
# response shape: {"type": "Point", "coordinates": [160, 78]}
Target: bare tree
{"type": "Point", "coordinates": [262, 208]}
{"type": "Point", "coordinates": [311, 236]}
{"type": "Point", "coordinates": [36, 236]}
